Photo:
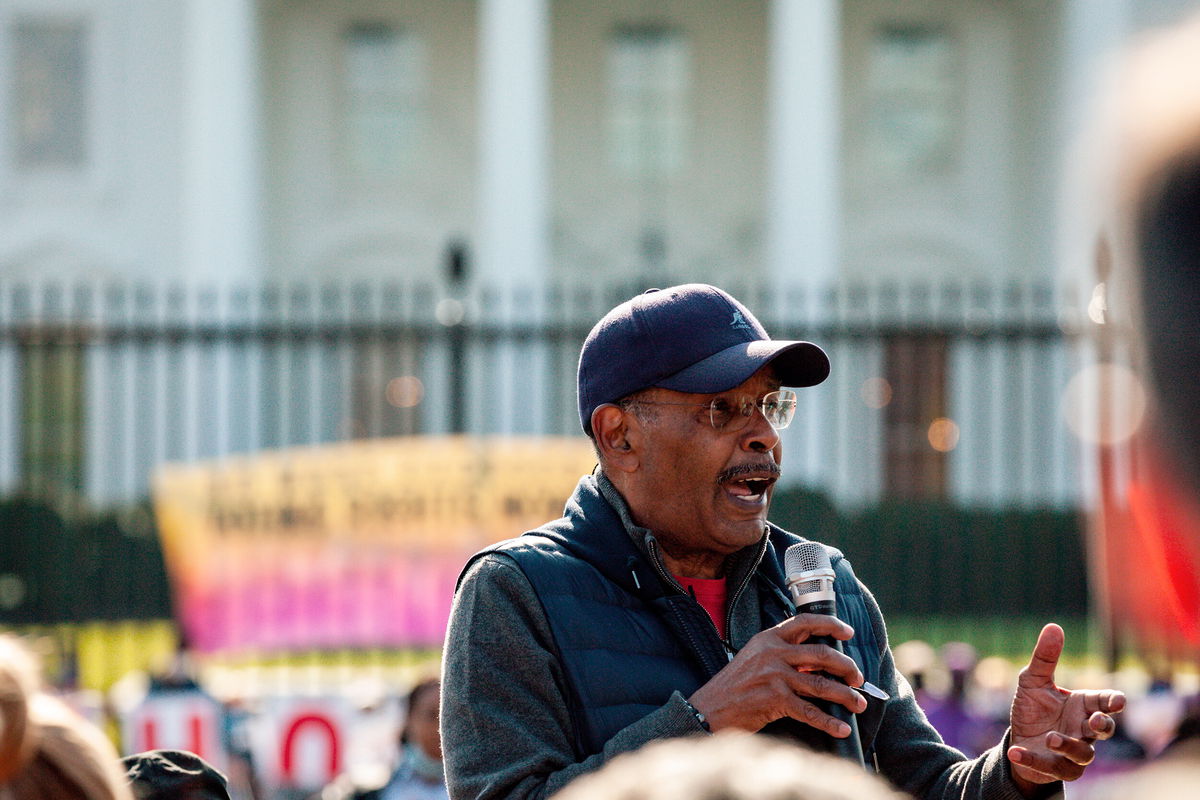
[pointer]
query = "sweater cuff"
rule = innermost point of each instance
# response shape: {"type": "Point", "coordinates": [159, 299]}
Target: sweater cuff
{"type": "Point", "coordinates": [692, 721]}
{"type": "Point", "coordinates": [997, 772]}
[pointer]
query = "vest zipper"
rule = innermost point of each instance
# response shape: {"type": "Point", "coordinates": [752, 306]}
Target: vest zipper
{"type": "Point", "coordinates": [762, 548]}
{"type": "Point", "coordinates": [666, 576]}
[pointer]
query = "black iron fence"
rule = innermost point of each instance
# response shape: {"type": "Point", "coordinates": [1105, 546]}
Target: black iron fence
{"type": "Point", "coordinates": [944, 391]}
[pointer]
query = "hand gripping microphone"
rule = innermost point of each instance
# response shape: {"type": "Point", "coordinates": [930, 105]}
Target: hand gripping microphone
{"type": "Point", "coordinates": [810, 580]}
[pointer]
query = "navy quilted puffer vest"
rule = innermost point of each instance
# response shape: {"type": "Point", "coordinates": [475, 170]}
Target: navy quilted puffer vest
{"type": "Point", "coordinates": [627, 639]}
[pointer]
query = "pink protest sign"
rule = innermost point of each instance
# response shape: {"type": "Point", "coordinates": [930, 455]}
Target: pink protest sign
{"type": "Point", "coordinates": [354, 545]}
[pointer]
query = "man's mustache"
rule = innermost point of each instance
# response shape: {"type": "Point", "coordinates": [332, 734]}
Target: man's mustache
{"type": "Point", "coordinates": [737, 471]}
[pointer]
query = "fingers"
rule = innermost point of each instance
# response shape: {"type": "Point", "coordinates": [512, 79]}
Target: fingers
{"type": "Point", "coordinates": [1052, 767]}
{"type": "Point", "coordinates": [802, 710]}
{"type": "Point", "coordinates": [807, 658]}
{"type": "Point", "coordinates": [1101, 726]}
{"type": "Point", "coordinates": [1064, 759]}
{"type": "Point", "coordinates": [749, 694]}
{"type": "Point", "coordinates": [1109, 701]}
{"type": "Point", "coordinates": [1100, 706]}
{"type": "Point", "coordinates": [815, 685]}
{"type": "Point", "coordinates": [1077, 751]}
{"type": "Point", "coordinates": [817, 656]}
{"type": "Point", "coordinates": [803, 627]}
{"type": "Point", "coordinates": [1046, 653]}
{"type": "Point", "coordinates": [787, 671]}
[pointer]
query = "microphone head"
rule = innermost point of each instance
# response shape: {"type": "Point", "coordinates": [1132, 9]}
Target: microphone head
{"type": "Point", "coordinates": [805, 557]}
{"type": "Point", "coordinates": [810, 577]}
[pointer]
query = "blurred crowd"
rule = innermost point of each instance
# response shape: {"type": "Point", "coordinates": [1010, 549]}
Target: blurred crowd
{"type": "Point", "coordinates": [60, 743]}
{"type": "Point", "coordinates": [965, 696]}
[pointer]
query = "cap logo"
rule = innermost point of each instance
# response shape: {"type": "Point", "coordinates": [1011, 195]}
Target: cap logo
{"type": "Point", "coordinates": [739, 321]}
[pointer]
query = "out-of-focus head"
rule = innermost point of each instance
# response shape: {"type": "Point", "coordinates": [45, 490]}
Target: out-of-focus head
{"type": "Point", "coordinates": [174, 775]}
{"type": "Point", "coordinates": [421, 718]}
{"type": "Point", "coordinates": [47, 751]}
{"type": "Point", "coordinates": [1151, 142]}
{"type": "Point", "coordinates": [728, 766]}
{"type": "Point", "coordinates": [916, 660]}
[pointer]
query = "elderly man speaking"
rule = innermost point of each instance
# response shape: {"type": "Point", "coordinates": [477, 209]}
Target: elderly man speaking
{"type": "Point", "coordinates": [657, 606]}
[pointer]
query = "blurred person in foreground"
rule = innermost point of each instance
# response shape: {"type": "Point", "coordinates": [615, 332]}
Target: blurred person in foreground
{"type": "Point", "coordinates": [1147, 149]}
{"type": "Point", "coordinates": [728, 766]}
{"type": "Point", "coordinates": [47, 751]}
{"type": "Point", "coordinates": [1151, 139]}
{"type": "Point", "coordinates": [418, 774]}
{"type": "Point", "coordinates": [1139, 201]}
{"type": "Point", "coordinates": [657, 606]}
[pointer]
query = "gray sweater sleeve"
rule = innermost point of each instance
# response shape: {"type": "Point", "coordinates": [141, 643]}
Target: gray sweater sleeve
{"type": "Point", "coordinates": [506, 726]}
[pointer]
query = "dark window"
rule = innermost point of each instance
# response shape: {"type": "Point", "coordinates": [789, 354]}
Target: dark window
{"type": "Point", "coordinates": [383, 78]}
{"type": "Point", "coordinates": [50, 94]}
{"type": "Point", "coordinates": [51, 413]}
{"type": "Point", "coordinates": [918, 433]}
{"type": "Point", "coordinates": [914, 85]}
{"type": "Point", "coordinates": [648, 83]}
{"type": "Point", "coordinates": [387, 394]}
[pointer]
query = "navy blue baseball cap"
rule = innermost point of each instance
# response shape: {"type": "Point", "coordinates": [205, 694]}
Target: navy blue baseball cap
{"type": "Point", "coordinates": [690, 338]}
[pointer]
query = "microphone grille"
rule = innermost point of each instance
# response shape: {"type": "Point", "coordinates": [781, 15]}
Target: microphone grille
{"type": "Point", "coordinates": [805, 557]}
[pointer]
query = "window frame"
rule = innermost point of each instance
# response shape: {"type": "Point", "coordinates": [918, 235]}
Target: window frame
{"type": "Point", "coordinates": [658, 116]}
{"type": "Point", "coordinates": [410, 95]}
{"type": "Point", "coordinates": [106, 104]}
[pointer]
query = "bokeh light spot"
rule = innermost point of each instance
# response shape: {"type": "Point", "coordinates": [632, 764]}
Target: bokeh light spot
{"type": "Point", "coordinates": [995, 673]}
{"type": "Point", "coordinates": [1104, 404]}
{"type": "Point", "coordinates": [943, 434]}
{"type": "Point", "coordinates": [1098, 305]}
{"type": "Point", "coordinates": [407, 391]}
{"type": "Point", "coordinates": [450, 312]}
{"type": "Point", "coordinates": [876, 392]}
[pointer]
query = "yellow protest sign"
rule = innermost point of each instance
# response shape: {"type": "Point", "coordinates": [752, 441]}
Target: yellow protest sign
{"type": "Point", "coordinates": [348, 544]}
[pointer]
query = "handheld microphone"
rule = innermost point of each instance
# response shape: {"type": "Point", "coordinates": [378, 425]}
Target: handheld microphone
{"type": "Point", "coordinates": [810, 579]}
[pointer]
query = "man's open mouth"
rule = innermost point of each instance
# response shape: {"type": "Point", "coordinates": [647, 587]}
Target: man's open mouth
{"type": "Point", "coordinates": [749, 489]}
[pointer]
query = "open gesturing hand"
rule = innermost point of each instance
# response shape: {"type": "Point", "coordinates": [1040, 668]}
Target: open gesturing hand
{"type": "Point", "coordinates": [1053, 729]}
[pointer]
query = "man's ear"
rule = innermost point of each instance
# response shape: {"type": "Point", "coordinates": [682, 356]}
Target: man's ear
{"type": "Point", "coordinates": [616, 433]}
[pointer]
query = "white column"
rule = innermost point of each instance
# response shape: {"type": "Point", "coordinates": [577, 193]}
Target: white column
{"type": "Point", "coordinates": [803, 167]}
{"type": "Point", "coordinates": [1092, 33]}
{"type": "Point", "coordinates": [222, 219]}
{"type": "Point", "coordinates": [513, 248]}
{"type": "Point", "coordinates": [804, 158]}
{"type": "Point", "coordinates": [513, 226]}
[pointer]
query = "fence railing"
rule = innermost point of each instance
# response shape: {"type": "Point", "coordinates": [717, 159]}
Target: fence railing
{"type": "Point", "coordinates": [946, 390]}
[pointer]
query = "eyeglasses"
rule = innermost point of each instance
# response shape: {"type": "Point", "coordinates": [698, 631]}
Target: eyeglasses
{"type": "Point", "coordinates": [731, 414]}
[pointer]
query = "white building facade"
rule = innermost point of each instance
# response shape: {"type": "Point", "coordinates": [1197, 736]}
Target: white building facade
{"type": "Point", "coordinates": [783, 146]}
